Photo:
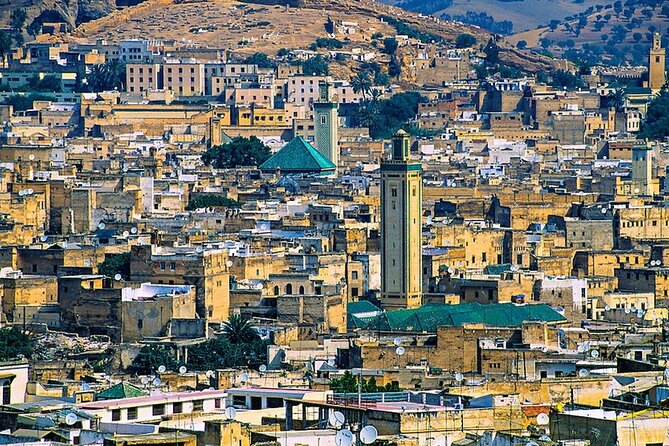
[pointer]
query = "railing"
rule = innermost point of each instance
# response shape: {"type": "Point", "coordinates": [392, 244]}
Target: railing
{"type": "Point", "coordinates": [367, 399]}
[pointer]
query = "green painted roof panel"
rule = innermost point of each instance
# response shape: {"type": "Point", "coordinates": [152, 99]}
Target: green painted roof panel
{"type": "Point", "coordinates": [298, 156]}
{"type": "Point", "coordinates": [121, 390]}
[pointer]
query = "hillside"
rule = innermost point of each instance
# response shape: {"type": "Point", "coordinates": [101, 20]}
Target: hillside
{"type": "Point", "coordinates": [523, 14]}
{"type": "Point", "coordinates": [613, 34]}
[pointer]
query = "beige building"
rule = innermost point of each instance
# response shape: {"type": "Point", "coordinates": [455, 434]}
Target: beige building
{"type": "Point", "coordinates": [142, 77]}
{"type": "Point", "coordinates": [184, 79]}
{"type": "Point", "coordinates": [656, 65]}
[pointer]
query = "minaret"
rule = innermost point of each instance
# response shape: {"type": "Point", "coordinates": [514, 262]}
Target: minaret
{"type": "Point", "coordinates": [656, 69]}
{"type": "Point", "coordinates": [326, 127]}
{"type": "Point", "coordinates": [401, 243]}
{"type": "Point", "coordinates": [642, 169]}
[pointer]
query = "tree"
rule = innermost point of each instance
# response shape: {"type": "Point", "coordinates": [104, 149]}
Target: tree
{"type": "Point", "coordinates": [107, 76]}
{"type": "Point", "coordinates": [394, 67]}
{"type": "Point", "coordinates": [521, 45]}
{"type": "Point", "coordinates": [553, 24]}
{"type": "Point", "coordinates": [465, 40]}
{"type": "Point", "coordinates": [35, 28]}
{"type": "Point", "coordinates": [565, 79]}
{"type": "Point", "coordinates": [617, 98]}
{"type": "Point", "coordinates": [492, 52]}
{"type": "Point", "coordinates": [17, 21]}
{"type": "Point", "coordinates": [381, 79]}
{"type": "Point", "coordinates": [5, 44]}
{"type": "Point", "coordinates": [637, 37]}
{"type": "Point", "coordinates": [211, 200]}
{"type": "Point", "coordinates": [390, 45]}
{"type": "Point", "coordinates": [238, 152]}
{"type": "Point", "coordinates": [316, 65]}
{"type": "Point", "coordinates": [260, 59]}
{"type": "Point", "coordinates": [151, 357]}
{"type": "Point", "coordinates": [116, 264]}
{"type": "Point", "coordinates": [348, 383]}
{"type": "Point", "coordinates": [14, 343]}
{"type": "Point", "coordinates": [238, 330]}
{"type": "Point", "coordinates": [362, 83]}
{"type": "Point", "coordinates": [25, 102]}
{"type": "Point", "coordinates": [657, 118]}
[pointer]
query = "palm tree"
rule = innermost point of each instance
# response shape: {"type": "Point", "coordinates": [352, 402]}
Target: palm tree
{"type": "Point", "coordinates": [617, 98]}
{"type": "Point", "coordinates": [239, 330]}
{"type": "Point", "coordinates": [362, 83]}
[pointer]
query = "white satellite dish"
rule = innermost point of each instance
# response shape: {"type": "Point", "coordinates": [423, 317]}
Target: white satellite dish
{"type": "Point", "coordinates": [31, 157]}
{"type": "Point", "coordinates": [71, 418]}
{"type": "Point", "coordinates": [209, 373]}
{"type": "Point", "coordinates": [368, 434]}
{"type": "Point", "coordinates": [542, 419]}
{"type": "Point", "coordinates": [262, 368]}
{"type": "Point", "coordinates": [400, 351]}
{"type": "Point", "coordinates": [627, 311]}
{"type": "Point", "coordinates": [162, 369]}
{"type": "Point", "coordinates": [31, 191]}
{"type": "Point", "coordinates": [666, 373]}
{"type": "Point", "coordinates": [156, 382]}
{"type": "Point", "coordinates": [459, 377]}
{"type": "Point", "coordinates": [20, 193]}
{"type": "Point", "coordinates": [603, 210]}
{"type": "Point", "coordinates": [594, 354]}
{"type": "Point", "coordinates": [44, 238]}
{"type": "Point", "coordinates": [117, 277]}
{"type": "Point", "coordinates": [640, 313]}
{"type": "Point", "coordinates": [126, 234]}
{"type": "Point", "coordinates": [144, 380]}
{"type": "Point", "coordinates": [397, 341]}
{"type": "Point", "coordinates": [133, 230]}
{"type": "Point", "coordinates": [531, 443]}
{"type": "Point", "coordinates": [230, 413]}
{"type": "Point", "coordinates": [544, 438]}
{"type": "Point", "coordinates": [344, 438]}
{"type": "Point", "coordinates": [336, 419]}
{"type": "Point", "coordinates": [101, 226]}
{"type": "Point", "coordinates": [636, 190]}
{"type": "Point", "coordinates": [228, 263]}
{"type": "Point", "coordinates": [586, 347]}
{"type": "Point", "coordinates": [85, 387]}
{"type": "Point", "coordinates": [182, 369]}
{"type": "Point", "coordinates": [607, 308]}
{"type": "Point", "coordinates": [331, 362]}
{"type": "Point", "coordinates": [583, 373]}
{"type": "Point", "coordinates": [243, 377]}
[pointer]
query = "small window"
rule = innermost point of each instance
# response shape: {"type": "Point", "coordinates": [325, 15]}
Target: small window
{"type": "Point", "coordinates": [132, 413]}
{"type": "Point", "coordinates": [158, 409]}
{"type": "Point", "coordinates": [173, 266]}
{"type": "Point", "coordinates": [177, 408]}
{"type": "Point", "coordinates": [116, 415]}
{"type": "Point", "coordinates": [198, 406]}
{"type": "Point", "coordinates": [162, 266]}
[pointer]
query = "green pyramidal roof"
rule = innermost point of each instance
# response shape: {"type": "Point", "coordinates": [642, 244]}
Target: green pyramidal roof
{"type": "Point", "coordinates": [121, 390]}
{"type": "Point", "coordinates": [298, 156]}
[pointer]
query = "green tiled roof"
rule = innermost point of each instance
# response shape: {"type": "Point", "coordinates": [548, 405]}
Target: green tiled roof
{"type": "Point", "coordinates": [121, 390]}
{"type": "Point", "coordinates": [361, 306]}
{"type": "Point", "coordinates": [429, 317]}
{"type": "Point", "coordinates": [298, 156]}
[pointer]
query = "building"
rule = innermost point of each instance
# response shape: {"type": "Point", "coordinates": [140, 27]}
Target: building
{"type": "Point", "coordinates": [299, 157]}
{"type": "Point", "coordinates": [401, 205]}
{"type": "Point", "coordinates": [642, 170]}
{"type": "Point", "coordinates": [656, 68]}
{"type": "Point", "coordinates": [326, 126]}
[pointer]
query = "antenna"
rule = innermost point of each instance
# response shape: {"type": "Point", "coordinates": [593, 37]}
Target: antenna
{"type": "Point", "coordinates": [101, 226]}
{"type": "Point", "coordinates": [228, 263]}
{"type": "Point", "coordinates": [594, 354]}
{"type": "Point", "coordinates": [44, 238]}
{"type": "Point", "coordinates": [126, 234]}
{"type": "Point", "coordinates": [459, 377]}
{"type": "Point", "coordinates": [209, 373]}
{"type": "Point", "coordinates": [397, 341]}
{"type": "Point", "coordinates": [156, 382]}
{"type": "Point", "coordinates": [243, 377]}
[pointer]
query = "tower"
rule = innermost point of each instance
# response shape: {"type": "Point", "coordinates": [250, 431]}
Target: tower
{"type": "Point", "coordinates": [401, 244]}
{"type": "Point", "coordinates": [656, 69]}
{"type": "Point", "coordinates": [326, 126]}
{"type": "Point", "coordinates": [642, 170]}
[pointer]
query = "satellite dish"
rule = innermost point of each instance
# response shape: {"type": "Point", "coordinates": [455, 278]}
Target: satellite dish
{"type": "Point", "coordinates": [21, 193]}
{"type": "Point", "coordinates": [586, 347]}
{"type": "Point", "coordinates": [344, 438]}
{"type": "Point", "coordinates": [627, 311]}
{"type": "Point", "coordinates": [368, 434]}
{"type": "Point", "coordinates": [636, 190]}
{"type": "Point", "coordinates": [44, 238]}
{"type": "Point", "coordinates": [336, 419]}
{"type": "Point", "coordinates": [666, 373]}
{"type": "Point", "coordinates": [544, 438]}
{"type": "Point", "coordinates": [331, 362]}
{"type": "Point", "coordinates": [594, 354]}
{"type": "Point", "coordinates": [182, 369]}
{"type": "Point", "coordinates": [145, 380]}
{"type": "Point", "coordinates": [31, 157]}
{"type": "Point", "coordinates": [400, 351]}
{"type": "Point", "coordinates": [228, 263]}
{"type": "Point", "coordinates": [162, 369]}
{"type": "Point", "coordinates": [603, 210]}
{"type": "Point", "coordinates": [607, 308]}
{"type": "Point", "coordinates": [583, 373]}
{"type": "Point", "coordinates": [531, 443]}
{"type": "Point", "coordinates": [31, 191]}
{"type": "Point", "coordinates": [209, 373]}
{"type": "Point", "coordinates": [243, 377]}
{"type": "Point", "coordinates": [101, 226]}
{"type": "Point", "coordinates": [230, 413]}
{"type": "Point", "coordinates": [126, 233]}
{"type": "Point", "coordinates": [542, 419]}
{"type": "Point", "coordinates": [262, 368]}
{"type": "Point", "coordinates": [71, 418]}
{"type": "Point", "coordinates": [397, 341]}
{"type": "Point", "coordinates": [459, 377]}
{"type": "Point", "coordinates": [640, 313]}
{"type": "Point", "coordinates": [156, 382]}
{"type": "Point", "coordinates": [133, 230]}
{"type": "Point", "coordinates": [117, 277]}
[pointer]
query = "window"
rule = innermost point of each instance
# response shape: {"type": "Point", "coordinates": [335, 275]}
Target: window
{"type": "Point", "coordinates": [116, 414]}
{"type": "Point", "coordinates": [289, 289]}
{"type": "Point", "coordinates": [301, 290]}
{"type": "Point", "coordinates": [354, 275]}
{"type": "Point", "coordinates": [158, 409]}
{"type": "Point", "coordinates": [132, 413]}
{"type": "Point", "coordinates": [173, 266]}
{"type": "Point", "coordinates": [177, 408]}
{"type": "Point", "coordinates": [162, 266]}
{"type": "Point", "coordinates": [140, 324]}
{"type": "Point", "coordinates": [7, 392]}
{"type": "Point", "coordinates": [323, 119]}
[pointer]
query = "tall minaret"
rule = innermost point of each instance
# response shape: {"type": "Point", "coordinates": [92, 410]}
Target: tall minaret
{"type": "Point", "coordinates": [656, 69]}
{"type": "Point", "coordinates": [401, 243]}
{"type": "Point", "coordinates": [642, 169]}
{"type": "Point", "coordinates": [326, 126]}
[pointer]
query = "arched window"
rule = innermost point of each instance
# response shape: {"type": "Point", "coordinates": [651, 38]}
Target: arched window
{"type": "Point", "coordinates": [289, 289]}
{"type": "Point", "coordinates": [276, 290]}
{"type": "Point", "coordinates": [301, 289]}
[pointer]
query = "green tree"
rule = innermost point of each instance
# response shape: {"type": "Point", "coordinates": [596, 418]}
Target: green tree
{"type": "Point", "coordinates": [347, 383]}
{"type": "Point", "coordinates": [22, 102]}
{"type": "Point", "coordinates": [238, 330]}
{"type": "Point", "coordinates": [221, 353]}
{"type": "Point", "coordinates": [394, 67]}
{"type": "Point", "coordinates": [521, 45]}
{"type": "Point", "coordinates": [656, 125]}
{"type": "Point", "coordinates": [390, 45]}
{"type": "Point", "coordinates": [35, 28]}
{"type": "Point", "coordinates": [238, 152]}
{"type": "Point", "coordinates": [5, 43]}
{"type": "Point", "coordinates": [14, 343]}
{"type": "Point", "coordinates": [151, 357]}
{"type": "Point", "coordinates": [316, 65]}
{"type": "Point", "coordinates": [17, 21]}
{"type": "Point", "coordinates": [260, 59]}
{"type": "Point", "coordinates": [465, 40]}
{"type": "Point", "coordinates": [211, 200]}
{"type": "Point", "coordinates": [116, 264]}
{"type": "Point", "coordinates": [362, 83]}
{"type": "Point", "coordinates": [107, 76]}
{"type": "Point", "coordinates": [381, 79]}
